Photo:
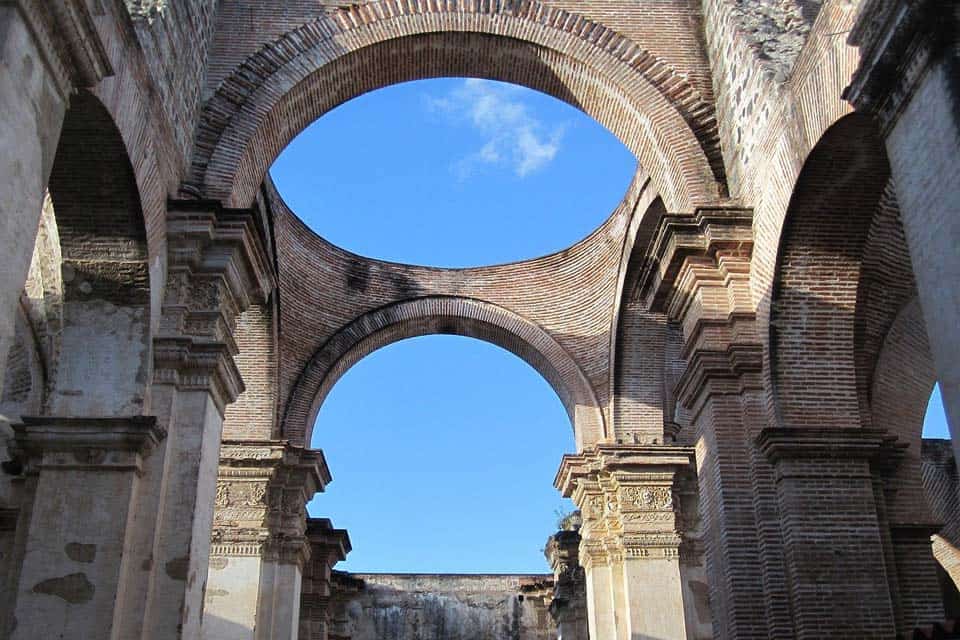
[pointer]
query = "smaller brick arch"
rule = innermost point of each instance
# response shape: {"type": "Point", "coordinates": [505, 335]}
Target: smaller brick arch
{"type": "Point", "coordinates": [444, 315]}
{"type": "Point", "coordinates": [289, 83]}
{"type": "Point", "coordinates": [102, 355]}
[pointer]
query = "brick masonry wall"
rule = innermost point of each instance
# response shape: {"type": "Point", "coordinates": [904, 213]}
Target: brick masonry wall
{"type": "Point", "coordinates": [276, 92]}
{"type": "Point", "coordinates": [579, 283]}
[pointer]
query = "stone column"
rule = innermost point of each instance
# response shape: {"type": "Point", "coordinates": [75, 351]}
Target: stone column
{"type": "Point", "coordinates": [569, 605]}
{"type": "Point", "coordinates": [260, 545]}
{"type": "Point", "coordinates": [833, 542]}
{"type": "Point", "coordinates": [633, 518]}
{"type": "Point", "coordinates": [700, 277]}
{"type": "Point", "coordinates": [907, 78]}
{"type": "Point", "coordinates": [217, 267]}
{"type": "Point", "coordinates": [47, 49]}
{"type": "Point", "coordinates": [88, 482]}
{"type": "Point", "coordinates": [328, 546]}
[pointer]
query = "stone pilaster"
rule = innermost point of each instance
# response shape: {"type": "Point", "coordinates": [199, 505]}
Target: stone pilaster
{"type": "Point", "coordinates": [87, 476]}
{"type": "Point", "coordinates": [260, 544]}
{"type": "Point", "coordinates": [700, 278]}
{"type": "Point", "coordinates": [216, 268]}
{"type": "Point", "coordinates": [907, 79]}
{"type": "Point", "coordinates": [631, 541]}
{"type": "Point", "coordinates": [568, 606]}
{"type": "Point", "coordinates": [328, 546]}
{"type": "Point", "coordinates": [832, 532]}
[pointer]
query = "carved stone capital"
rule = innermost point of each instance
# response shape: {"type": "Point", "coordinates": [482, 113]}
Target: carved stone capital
{"type": "Point", "coordinates": [627, 496]}
{"type": "Point", "coordinates": [103, 444]}
{"type": "Point", "coordinates": [260, 506]}
{"type": "Point", "coordinates": [898, 41]}
{"type": "Point", "coordinates": [67, 38]}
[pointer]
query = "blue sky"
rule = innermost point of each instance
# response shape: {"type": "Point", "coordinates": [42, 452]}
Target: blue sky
{"type": "Point", "coordinates": [443, 449]}
{"type": "Point", "coordinates": [454, 173]}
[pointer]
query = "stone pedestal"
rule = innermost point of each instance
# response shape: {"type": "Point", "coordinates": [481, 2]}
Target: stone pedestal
{"type": "Point", "coordinates": [260, 545]}
{"type": "Point", "coordinates": [87, 477]}
{"type": "Point", "coordinates": [631, 541]}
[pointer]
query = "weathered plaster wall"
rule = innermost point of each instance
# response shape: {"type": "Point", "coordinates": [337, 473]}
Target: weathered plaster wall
{"type": "Point", "coordinates": [447, 607]}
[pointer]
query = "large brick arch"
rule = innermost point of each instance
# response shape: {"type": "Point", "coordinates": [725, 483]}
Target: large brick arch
{"type": "Point", "coordinates": [817, 280]}
{"type": "Point", "coordinates": [444, 315]}
{"type": "Point", "coordinates": [289, 83]}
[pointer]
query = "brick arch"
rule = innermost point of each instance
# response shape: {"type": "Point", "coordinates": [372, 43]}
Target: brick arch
{"type": "Point", "coordinates": [818, 277]}
{"type": "Point", "coordinates": [102, 360]}
{"type": "Point", "coordinates": [291, 82]}
{"type": "Point", "coordinates": [444, 315]}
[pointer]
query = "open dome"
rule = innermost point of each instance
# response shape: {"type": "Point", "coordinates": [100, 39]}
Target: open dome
{"type": "Point", "coordinates": [454, 172]}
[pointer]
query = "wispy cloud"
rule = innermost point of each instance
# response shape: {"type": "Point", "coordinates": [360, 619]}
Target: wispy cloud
{"type": "Point", "coordinates": [515, 139]}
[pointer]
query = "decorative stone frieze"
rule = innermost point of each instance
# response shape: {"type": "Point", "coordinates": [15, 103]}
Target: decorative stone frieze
{"type": "Point", "coordinates": [217, 267]}
{"type": "Point", "coordinates": [68, 40]}
{"type": "Point", "coordinates": [261, 497]}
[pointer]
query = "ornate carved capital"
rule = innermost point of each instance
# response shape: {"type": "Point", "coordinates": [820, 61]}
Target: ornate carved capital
{"type": "Point", "coordinates": [104, 444]}
{"type": "Point", "coordinates": [627, 497]}
{"type": "Point", "coordinates": [217, 267]}
{"type": "Point", "coordinates": [67, 38]}
{"type": "Point", "coordinates": [260, 506]}
{"type": "Point", "coordinates": [898, 40]}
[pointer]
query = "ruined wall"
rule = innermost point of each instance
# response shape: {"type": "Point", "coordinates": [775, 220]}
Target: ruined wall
{"type": "Point", "coordinates": [448, 607]}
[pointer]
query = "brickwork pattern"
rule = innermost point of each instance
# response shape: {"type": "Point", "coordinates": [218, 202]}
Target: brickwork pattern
{"type": "Point", "coordinates": [286, 85]}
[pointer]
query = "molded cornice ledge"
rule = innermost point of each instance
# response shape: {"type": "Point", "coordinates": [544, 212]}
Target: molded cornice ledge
{"type": "Point", "coordinates": [898, 40]}
{"type": "Point", "coordinates": [699, 275]}
{"type": "Point", "coordinates": [68, 40]}
{"type": "Point", "coordinates": [104, 444]}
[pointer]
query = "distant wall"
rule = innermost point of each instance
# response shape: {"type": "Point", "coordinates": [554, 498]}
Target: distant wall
{"type": "Point", "coordinates": [448, 607]}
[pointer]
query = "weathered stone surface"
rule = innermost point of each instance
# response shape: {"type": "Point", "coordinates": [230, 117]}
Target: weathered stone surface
{"type": "Point", "coordinates": [774, 297]}
{"type": "Point", "coordinates": [447, 607]}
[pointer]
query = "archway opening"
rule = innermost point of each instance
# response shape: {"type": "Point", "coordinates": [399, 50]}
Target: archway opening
{"type": "Point", "coordinates": [454, 172]}
{"type": "Point", "coordinates": [443, 450]}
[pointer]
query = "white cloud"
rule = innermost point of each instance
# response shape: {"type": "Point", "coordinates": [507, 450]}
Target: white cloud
{"type": "Point", "coordinates": [514, 138]}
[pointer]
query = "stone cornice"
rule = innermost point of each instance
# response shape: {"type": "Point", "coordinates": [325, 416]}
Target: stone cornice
{"type": "Point", "coordinates": [194, 365]}
{"type": "Point", "coordinates": [898, 40]}
{"type": "Point", "coordinates": [209, 238]}
{"type": "Point", "coordinates": [67, 38]}
{"type": "Point", "coordinates": [812, 443]}
{"type": "Point", "coordinates": [109, 444]}
{"type": "Point", "coordinates": [685, 243]}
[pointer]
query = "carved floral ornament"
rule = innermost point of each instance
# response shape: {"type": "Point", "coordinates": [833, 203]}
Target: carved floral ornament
{"type": "Point", "coordinates": [648, 498]}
